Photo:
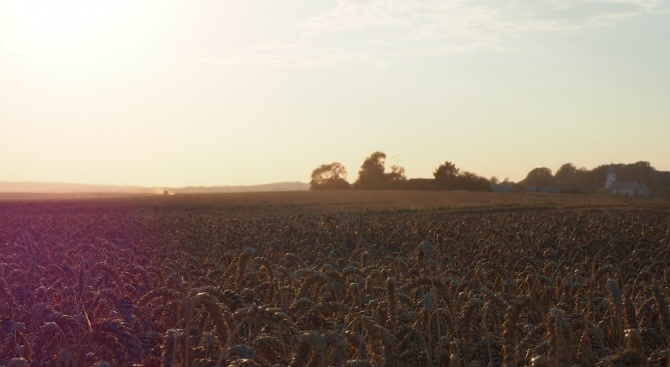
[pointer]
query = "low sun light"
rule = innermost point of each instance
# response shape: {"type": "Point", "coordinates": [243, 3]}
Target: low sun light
{"type": "Point", "coordinates": [74, 33]}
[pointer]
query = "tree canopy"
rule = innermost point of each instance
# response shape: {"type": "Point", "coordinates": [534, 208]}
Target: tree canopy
{"type": "Point", "coordinates": [581, 180]}
{"type": "Point", "coordinates": [538, 177]}
{"type": "Point", "coordinates": [329, 177]}
{"type": "Point", "coordinates": [446, 175]}
{"type": "Point", "coordinates": [373, 175]}
{"type": "Point", "coordinates": [449, 177]}
{"type": "Point", "coordinates": [566, 174]}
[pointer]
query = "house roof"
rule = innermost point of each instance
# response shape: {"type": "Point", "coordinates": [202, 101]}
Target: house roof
{"type": "Point", "coordinates": [625, 185]}
{"type": "Point", "coordinates": [642, 187]}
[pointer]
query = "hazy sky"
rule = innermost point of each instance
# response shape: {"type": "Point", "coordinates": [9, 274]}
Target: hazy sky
{"type": "Point", "coordinates": [164, 93]}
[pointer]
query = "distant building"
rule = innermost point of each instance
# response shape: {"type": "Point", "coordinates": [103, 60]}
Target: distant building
{"type": "Point", "coordinates": [628, 188]}
{"type": "Point", "coordinates": [502, 187]}
{"type": "Point", "coordinates": [611, 177]}
{"type": "Point", "coordinates": [545, 189]}
{"type": "Point", "coordinates": [421, 184]}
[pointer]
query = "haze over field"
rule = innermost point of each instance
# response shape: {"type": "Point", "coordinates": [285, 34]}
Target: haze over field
{"type": "Point", "coordinates": [173, 94]}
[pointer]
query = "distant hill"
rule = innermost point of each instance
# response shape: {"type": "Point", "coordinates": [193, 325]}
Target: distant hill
{"type": "Point", "coordinates": [67, 188]}
{"type": "Point", "coordinates": [280, 186]}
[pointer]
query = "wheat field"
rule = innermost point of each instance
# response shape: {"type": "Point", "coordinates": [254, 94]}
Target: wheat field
{"type": "Point", "coordinates": [334, 279]}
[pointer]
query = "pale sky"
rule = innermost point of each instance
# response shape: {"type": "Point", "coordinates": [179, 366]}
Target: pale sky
{"type": "Point", "coordinates": [161, 93]}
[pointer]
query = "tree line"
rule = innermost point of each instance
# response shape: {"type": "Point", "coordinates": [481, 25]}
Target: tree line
{"type": "Point", "coordinates": [581, 180]}
{"type": "Point", "coordinates": [373, 175]}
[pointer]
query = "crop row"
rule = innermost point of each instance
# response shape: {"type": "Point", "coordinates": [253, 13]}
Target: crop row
{"type": "Point", "coordinates": [83, 286]}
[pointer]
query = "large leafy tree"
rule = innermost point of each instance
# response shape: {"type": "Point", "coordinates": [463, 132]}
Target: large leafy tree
{"type": "Point", "coordinates": [331, 176]}
{"type": "Point", "coordinates": [373, 176]}
{"type": "Point", "coordinates": [573, 179]}
{"type": "Point", "coordinates": [566, 174]}
{"type": "Point", "coordinates": [446, 176]}
{"type": "Point", "coordinates": [473, 182]}
{"type": "Point", "coordinates": [541, 176]}
{"type": "Point", "coordinates": [449, 177]}
{"type": "Point", "coordinates": [396, 178]}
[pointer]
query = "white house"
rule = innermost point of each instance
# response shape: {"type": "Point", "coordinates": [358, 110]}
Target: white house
{"type": "Point", "coordinates": [628, 188]}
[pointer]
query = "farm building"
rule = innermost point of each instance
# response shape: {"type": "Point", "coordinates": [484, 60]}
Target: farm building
{"type": "Point", "coordinates": [628, 188]}
{"type": "Point", "coordinates": [545, 189]}
{"type": "Point", "coordinates": [503, 187]}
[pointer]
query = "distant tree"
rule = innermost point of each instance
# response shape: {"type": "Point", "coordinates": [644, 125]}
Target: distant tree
{"type": "Point", "coordinates": [494, 180]}
{"type": "Point", "coordinates": [539, 177]}
{"type": "Point", "coordinates": [566, 174]}
{"type": "Point", "coordinates": [641, 172]}
{"type": "Point", "coordinates": [449, 177]}
{"type": "Point", "coordinates": [589, 181]}
{"type": "Point", "coordinates": [664, 193]}
{"type": "Point", "coordinates": [373, 176]}
{"type": "Point", "coordinates": [572, 179]}
{"type": "Point", "coordinates": [396, 178]}
{"type": "Point", "coordinates": [661, 181]}
{"type": "Point", "coordinates": [583, 176]}
{"type": "Point", "coordinates": [446, 176]}
{"type": "Point", "coordinates": [473, 182]}
{"type": "Point", "coordinates": [329, 177]}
